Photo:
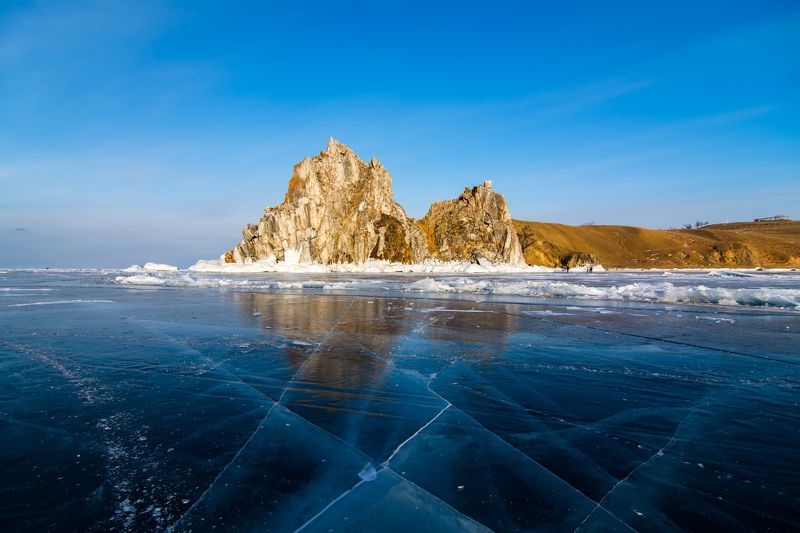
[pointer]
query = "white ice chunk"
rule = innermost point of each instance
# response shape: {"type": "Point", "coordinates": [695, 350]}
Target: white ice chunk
{"type": "Point", "coordinates": [159, 267]}
{"type": "Point", "coordinates": [368, 473]}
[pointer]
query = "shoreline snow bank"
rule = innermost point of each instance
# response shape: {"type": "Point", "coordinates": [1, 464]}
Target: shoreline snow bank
{"type": "Point", "coordinates": [373, 266]}
{"type": "Point", "coordinates": [479, 286]}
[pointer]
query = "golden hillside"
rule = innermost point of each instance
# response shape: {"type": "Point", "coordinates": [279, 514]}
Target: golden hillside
{"type": "Point", "coordinates": [737, 245]}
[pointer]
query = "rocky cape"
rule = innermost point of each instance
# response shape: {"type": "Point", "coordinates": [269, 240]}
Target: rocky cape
{"type": "Point", "coordinates": [340, 209]}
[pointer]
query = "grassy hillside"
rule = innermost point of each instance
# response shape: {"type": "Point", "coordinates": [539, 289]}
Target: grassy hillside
{"type": "Point", "coordinates": [740, 244]}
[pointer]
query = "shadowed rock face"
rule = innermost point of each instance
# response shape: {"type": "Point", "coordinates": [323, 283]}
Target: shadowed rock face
{"type": "Point", "coordinates": [339, 209]}
{"type": "Point", "coordinates": [475, 225]}
{"type": "Point", "coordinates": [579, 259]}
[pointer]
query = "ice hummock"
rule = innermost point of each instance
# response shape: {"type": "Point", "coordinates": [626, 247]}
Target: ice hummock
{"type": "Point", "coordinates": [152, 267]}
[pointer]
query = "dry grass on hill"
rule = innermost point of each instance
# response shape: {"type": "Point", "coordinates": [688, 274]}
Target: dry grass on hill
{"type": "Point", "coordinates": [736, 245]}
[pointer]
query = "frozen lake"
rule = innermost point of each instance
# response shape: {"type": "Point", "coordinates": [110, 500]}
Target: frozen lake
{"type": "Point", "coordinates": [278, 402]}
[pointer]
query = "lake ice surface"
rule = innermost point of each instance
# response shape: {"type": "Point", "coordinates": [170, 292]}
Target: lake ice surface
{"type": "Point", "coordinates": [279, 402]}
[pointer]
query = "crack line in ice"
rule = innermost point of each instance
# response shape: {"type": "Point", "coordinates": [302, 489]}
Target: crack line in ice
{"type": "Point", "coordinates": [659, 453]}
{"type": "Point", "coordinates": [311, 356]}
{"type": "Point", "coordinates": [406, 480]}
{"type": "Point", "coordinates": [224, 469]}
{"type": "Point", "coordinates": [431, 421]}
{"type": "Point", "coordinates": [258, 427]}
{"type": "Point", "coordinates": [544, 414]}
{"type": "Point", "coordinates": [658, 339]}
{"type": "Point", "coordinates": [212, 363]}
{"type": "Point", "coordinates": [385, 464]}
{"type": "Point", "coordinates": [433, 319]}
{"type": "Point", "coordinates": [383, 467]}
{"type": "Point", "coordinates": [218, 365]}
{"type": "Point", "coordinates": [520, 452]}
{"type": "Point", "coordinates": [524, 455]}
{"type": "Point", "coordinates": [331, 504]}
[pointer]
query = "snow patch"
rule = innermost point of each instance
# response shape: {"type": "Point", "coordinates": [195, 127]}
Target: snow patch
{"type": "Point", "coordinates": [159, 267]}
{"type": "Point", "coordinates": [63, 302]}
{"type": "Point", "coordinates": [142, 279]}
{"type": "Point", "coordinates": [151, 267]}
{"type": "Point", "coordinates": [730, 274]}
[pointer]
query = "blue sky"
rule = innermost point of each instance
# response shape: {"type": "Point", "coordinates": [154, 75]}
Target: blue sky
{"type": "Point", "coordinates": [136, 131]}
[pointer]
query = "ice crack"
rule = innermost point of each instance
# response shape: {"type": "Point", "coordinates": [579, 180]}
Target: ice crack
{"type": "Point", "coordinates": [409, 439]}
{"type": "Point", "coordinates": [258, 427]}
{"type": "Point", "coordinates": [658, 453]}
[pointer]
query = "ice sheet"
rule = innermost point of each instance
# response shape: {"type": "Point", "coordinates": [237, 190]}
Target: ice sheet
{"type": "Point", "coordinates": [296, 406]}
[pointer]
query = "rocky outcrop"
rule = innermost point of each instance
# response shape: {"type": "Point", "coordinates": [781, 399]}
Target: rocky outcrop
{"type": "Point", "coordinates": [475, 226]}
{"type": "Point", "coordinates": [579, 260]}
{"type": "Point", "coordinates": [340, 209]}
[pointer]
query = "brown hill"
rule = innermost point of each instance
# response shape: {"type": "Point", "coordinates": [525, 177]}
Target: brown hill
{"type": "Point", "coordinates": [741, 244]}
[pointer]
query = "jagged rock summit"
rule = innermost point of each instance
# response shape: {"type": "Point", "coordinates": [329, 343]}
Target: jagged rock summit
{"type": "Point", "coordinates": [340, 209]}
{"type": "Point", "coordinates": [476, 226]}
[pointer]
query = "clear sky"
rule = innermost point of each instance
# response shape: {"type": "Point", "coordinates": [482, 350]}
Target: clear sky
{"type": "Point", "coordinates": [137, 131]}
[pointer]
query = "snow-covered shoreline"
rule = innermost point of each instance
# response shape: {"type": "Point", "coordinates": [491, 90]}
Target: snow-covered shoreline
{"type": "Point", "coordinates": [369, 267]}
{"type": "Point", "coordinates": [217, 266]}
{"type": "Point", "coordinates": [776, 288]}
{"type": "Point", "coordinates": [711, 287]}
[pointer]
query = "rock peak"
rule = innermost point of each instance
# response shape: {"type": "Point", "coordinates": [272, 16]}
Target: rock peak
{"type": "Point", "coordinates": [340, 209]}
{"type": "Point", "coordinates": [475, 225]}
{"type": "Point", "coordinates": [337, 209]}
{"type": "Point", "coordinates": [335, 147]}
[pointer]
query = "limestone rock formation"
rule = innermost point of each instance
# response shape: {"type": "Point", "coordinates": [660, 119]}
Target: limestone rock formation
{"type": "Point", "coordinates": [338, 209]}
{"type": "Point", "coordinates": [476, 227]}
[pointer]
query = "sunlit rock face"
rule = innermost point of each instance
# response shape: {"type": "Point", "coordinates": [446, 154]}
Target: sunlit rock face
{"type": "Point", "coordinates": [338, 209]}
{"type": "Point", "coordinates": [476, 226]}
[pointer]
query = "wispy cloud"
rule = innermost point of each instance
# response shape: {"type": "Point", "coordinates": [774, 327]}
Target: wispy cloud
{"type": "Point", "coordinates": [721, 119]}
{"type": "Point", "coordinates": [574, 99]}
{"type": "Point", "coordinates": [592, 167]}
{"type": "Point", "coordinates": [685, 126]}
{"type": "Point", "coordinates": [564, 100]}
